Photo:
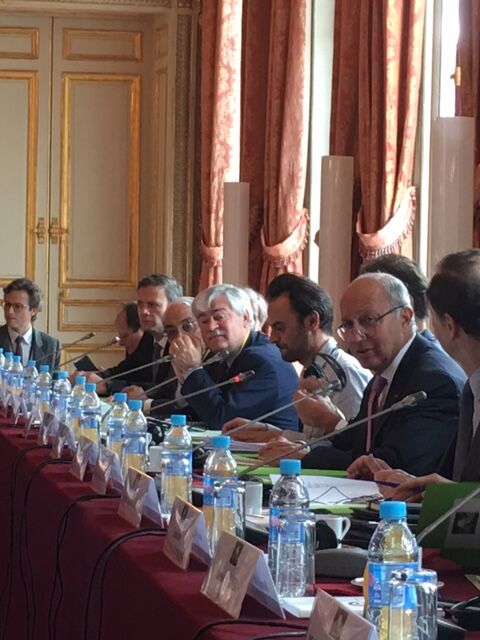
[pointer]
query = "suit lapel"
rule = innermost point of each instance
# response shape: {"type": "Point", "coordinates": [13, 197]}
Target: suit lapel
{"type": "Point", "coordinates": [399, 384]}
{"type": "Point", "coordinates": [5, 338]}
{"type": "Point", "coordinates": [471, 472]}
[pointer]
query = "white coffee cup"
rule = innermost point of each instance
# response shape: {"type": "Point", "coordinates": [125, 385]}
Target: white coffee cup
{"type": "Point", "coordinates": [155, 458]}
{"type": "Point", "coordinates": [253, 497]}
{"type": "Point", "coordinates": [338, 524]}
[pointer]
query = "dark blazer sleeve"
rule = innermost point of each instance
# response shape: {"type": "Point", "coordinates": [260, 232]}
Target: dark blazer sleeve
{"type": "Point", "coordinates": [248, 399]}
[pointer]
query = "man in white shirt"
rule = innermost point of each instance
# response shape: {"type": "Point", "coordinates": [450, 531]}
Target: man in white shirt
{"type": "Point", "coordinates": [22, 302]}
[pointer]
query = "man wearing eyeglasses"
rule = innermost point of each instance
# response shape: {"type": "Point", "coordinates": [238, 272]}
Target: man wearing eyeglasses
{"type": "Point", "coordinates": [22, 302]}
{"type": "Point", "coordinates": [378, 328]}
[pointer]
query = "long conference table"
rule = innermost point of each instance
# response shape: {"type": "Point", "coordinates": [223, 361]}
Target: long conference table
{"type": "Point", "coordinates": [63, 578]}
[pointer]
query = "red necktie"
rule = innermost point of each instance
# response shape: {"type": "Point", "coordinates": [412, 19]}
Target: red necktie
{"type": "Point", "coordinates": [18, 346]}
{"type": "Point", "coordinates": [376, 389]}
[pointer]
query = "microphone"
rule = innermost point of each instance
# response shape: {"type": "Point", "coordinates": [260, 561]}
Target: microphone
{"type": "Point", "coordinates": [217, 357]}
{"type": "Point", "coordinates": [236, 379]}
{"type": "Point", "coordinates": [102, 346]}
{"type": "Point", "coordinates": [319, 371]}
{"type": "Point", "coordinates": [408, 401]}
{"type": "Point", "coordinates": [167, 358]}
{"type": "Point", "coordinates": [87, 336]}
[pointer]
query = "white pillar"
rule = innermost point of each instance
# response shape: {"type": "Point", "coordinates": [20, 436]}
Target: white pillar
{"type": "Point", "coordinates": [335, 237]}
{"type": "Point", "coordinates": [236, 203]}
{"type": "Point", "coordinates": [451, 212]}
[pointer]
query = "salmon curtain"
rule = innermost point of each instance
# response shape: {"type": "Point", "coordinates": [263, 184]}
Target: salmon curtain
{"type": "Point", "coordinates": [468, 86]}
{"type": "Point", "coordinates": [375, 97]}
{"type": "Point", "coordinates": [220, 124]}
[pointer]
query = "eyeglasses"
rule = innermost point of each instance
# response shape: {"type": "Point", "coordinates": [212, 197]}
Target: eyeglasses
{"type": "Point", "coordinates": [363, 324]}
{"type": "Point", "coordinates": [187, 326]}
{"type": "Point", "coordinates": [16, 306]}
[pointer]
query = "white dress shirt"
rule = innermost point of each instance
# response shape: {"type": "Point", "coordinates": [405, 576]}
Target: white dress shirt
{"type": "Point", "coordinates": [26, 344]}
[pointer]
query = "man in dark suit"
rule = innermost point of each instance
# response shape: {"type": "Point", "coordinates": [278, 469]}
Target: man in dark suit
{"type": "Point", "coordinates": [378, 328]}
{"type": "Point", "coordinates": [22, 302]}
{"type": "Point", "coordinates": [454, 296]}
{"type": "Point", "coordinates": [224, 314]}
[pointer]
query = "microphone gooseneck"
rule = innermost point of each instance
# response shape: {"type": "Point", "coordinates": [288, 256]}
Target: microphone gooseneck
{"type": "Point", "coordinates": [114, 340]}
{"type": "Point", "coordinates": [163, 360]}
{"type": "Point", "coordinates": [87, 336]}
{"type": "Point", "coordinates": [408, 401]}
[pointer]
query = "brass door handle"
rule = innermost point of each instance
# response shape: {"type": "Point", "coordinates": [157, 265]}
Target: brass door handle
{"type": "Point", "coordinates": [55, 231]}
{"type": "Point", "coordinates": [41, 231]}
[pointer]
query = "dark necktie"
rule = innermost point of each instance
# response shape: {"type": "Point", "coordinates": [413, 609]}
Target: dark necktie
{"type": "Point", "coordinates": [18, 346]}
{"type": "Point", "coordinates": [464, 433]}
{"type": "Point", "coordinates": [376, 389]}
{"type": "Point", "coordinates": [218, 371]}
{"type": "Point", "coordinates": [157, 353]}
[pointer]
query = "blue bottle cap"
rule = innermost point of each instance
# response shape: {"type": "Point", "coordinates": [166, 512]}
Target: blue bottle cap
{"type": "Point", "coordinates": [62, 375]}
{"type": "Point", "coordinates": [17, 358]}
{"type": "Point", "coordinates": [221, 442]}
{"type": "Point", "coordinates": [90, 386]}
{"type": "Point", "coordinates": [31, 363]}
{"type": "Point", "coordinates": [178, 420]}
{"type": "Point", "coordinates": [391, 510]}
{"type": "Point", "coordinates": [43, 367]}
{"type": "Point", "coordinates": [119, 397]}
{"type": "Point", "coordinates": [290, 467]}
{"type": "Point", "coordinates": [8, 354]}
{"type": "Point", "coordinates": [135, 405]}
{"type": "Point", "coordinates": [80, 379]}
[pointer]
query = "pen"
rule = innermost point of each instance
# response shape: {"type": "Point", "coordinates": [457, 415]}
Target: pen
{"type": "Point", "coordinates": [383, 483]}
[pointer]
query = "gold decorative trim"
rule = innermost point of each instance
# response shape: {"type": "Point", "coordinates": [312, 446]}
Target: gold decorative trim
{"type": "Point", "coordinates": [64, 305]}
{"type": "Point", "coordinates": [99, 3]}
{"type": "Point", "coordinates": [68, 79]}
{"type": "Point", "coordinates": [31, 77]}
{"type": "Point", "coordinates": [184, 4]}
{"type": "Point", "coordinates": [69, 35]}
{"type": "Point", "coordinates": [29, 32]}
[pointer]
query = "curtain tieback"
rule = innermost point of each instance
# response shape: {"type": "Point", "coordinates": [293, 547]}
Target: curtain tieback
{"type": "Point", "coordinates": [213, 256]}
{"type": "Point", "coordinates": [287, 251]}
{"type": "Point", "coordinates": [390, 237]}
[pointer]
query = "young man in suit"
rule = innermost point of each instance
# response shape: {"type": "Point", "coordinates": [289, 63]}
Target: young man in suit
{"type": "Point", "coordinates": [22, 302]}
{"type": "Point", "coordinates": [224, 314]}
{"type": "Point", "coordinates": [454, 296]}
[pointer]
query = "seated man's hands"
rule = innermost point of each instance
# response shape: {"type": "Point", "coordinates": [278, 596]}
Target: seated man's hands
{"type": "Point", "coordinates": [280, 446]}
{"type": "Point", "coordinates": [93, 377]}
{"type": "Point", "coordinates": [318, 413]}
{"type": "Point", "coordinates": [188, 353]}
{"type": "Point", "coordinates": [135, 393]}
{"type": "Point", "coordinates": [410, 488]}
{"type": "Point", "coordinates": [256, 432]}
{"type": "Point", "coordinates": [365, 467]}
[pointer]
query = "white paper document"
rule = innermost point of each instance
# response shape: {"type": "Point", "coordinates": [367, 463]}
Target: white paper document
{"type": "Point", "coordinates": [331, 491]}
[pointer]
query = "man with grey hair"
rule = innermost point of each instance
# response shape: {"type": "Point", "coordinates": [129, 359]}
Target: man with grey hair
{"type": "Point", "coordinates": [378, 328]}
{"type": "Point", "coordinates": [224, 316]}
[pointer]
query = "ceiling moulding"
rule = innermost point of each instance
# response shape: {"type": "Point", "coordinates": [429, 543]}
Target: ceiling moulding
{"type": "Point", "coordinates": [99, 3]}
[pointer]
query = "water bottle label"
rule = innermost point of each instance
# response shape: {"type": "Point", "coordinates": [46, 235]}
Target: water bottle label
{"type": "Point", "coordinates": [208, 483]}
{"type": "Point", "coordinates": [178, 463]}
{"type": "Point", "coordinates": [379, 574]}
{"type": "Point", "coordinates": [294, 530]}
{"type": "Point", "coordinates": [225, 499]}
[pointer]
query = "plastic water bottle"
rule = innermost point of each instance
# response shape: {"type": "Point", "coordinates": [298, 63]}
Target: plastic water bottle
{"type": "Point", "coordinates": [289, 503]}
{"type": "Point", "coordinates": [44, 389]}
{"type": "Point", "coordinates": [116, 424]}
{"type": "Point", "coordinates": [30, 376]}
{"type": "Point", "coordinates": [2, 360]}
{"type": "Point", "coordinates": [61, 396]}
{"type": "Point", "coordinates": [176, 464]}
{"type": "Point", "coordinates": [392, 548]}
{"type": "Point", "coordinates": [16, 376]}
{"type": "Point", "coordinates": [74, 411]}
{"type": "Point", "coordinates": [219, 465]}
{"type": "Point", "coordinates": [135, 451]}
{"type": "Point", "coordinates": [7, 365]}
{"type": "Point", "coordinates": [90, 413]}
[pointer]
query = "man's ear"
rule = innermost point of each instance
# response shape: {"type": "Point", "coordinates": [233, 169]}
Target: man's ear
{"type": "Point", "coordinates": [312, 321]}
{"type": "Point", "coordinates": [35, 312]}
{"type": "Point", "coordinates": [451, 326]}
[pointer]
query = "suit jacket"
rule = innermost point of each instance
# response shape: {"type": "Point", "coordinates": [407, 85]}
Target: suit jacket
{"type": "Point", "coordinates": [413, 439]}
{"type": "Point", "coordinates": [44, 349]}
{"type": "Point", "coordinates": [144, 378]}
{"type": "Point", "coordinates": [273, 385]}
{"type": "Point", "coordinates": [461, 462]}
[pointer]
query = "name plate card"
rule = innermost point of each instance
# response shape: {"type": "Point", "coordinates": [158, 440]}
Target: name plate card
{"type": "Point", "coordinates": [64, 437]}
{"type": "Point", "coordinates": [237, 568]}
{"type": "Point", "coordinates": [107, 467]}
{"type": "Point", "coordinates": [331, 620]}
{"type": "Point", "coordinates": [86, 452]}
{"type": "Point", "coordinates": [139, 498]}
{"type": "Point", "coordinates": [48, 427]}
{"type": "Point", "coordinates": [186, 535]}
{"type": "Point", "coordinates": [33, 419]}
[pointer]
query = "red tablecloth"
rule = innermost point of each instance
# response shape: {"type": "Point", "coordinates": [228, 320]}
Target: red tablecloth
{"type": "Point", "coordinates": [142, 594]}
